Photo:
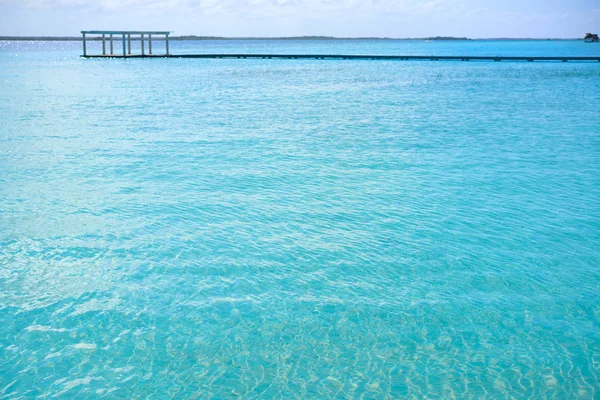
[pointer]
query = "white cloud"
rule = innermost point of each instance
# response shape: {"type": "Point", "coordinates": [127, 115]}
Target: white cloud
{"type": "Point", "coordinates": [251, 7]}
{"type": "Point", "coordinates": [475, 18]}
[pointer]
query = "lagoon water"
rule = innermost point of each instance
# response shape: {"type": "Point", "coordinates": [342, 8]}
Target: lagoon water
{"type": "Point", "coordinates": [299, 228]}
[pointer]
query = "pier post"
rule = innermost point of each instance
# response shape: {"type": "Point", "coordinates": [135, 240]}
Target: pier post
{"type": "Point", "coordinates": [109, 50]}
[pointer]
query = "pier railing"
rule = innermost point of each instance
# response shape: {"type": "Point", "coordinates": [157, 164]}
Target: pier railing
{"type": "Point", "coordinates": [125, 38]}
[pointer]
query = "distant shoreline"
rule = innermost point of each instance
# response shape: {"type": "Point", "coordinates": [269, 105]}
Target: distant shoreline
{"type": "Point", "coordinates": [200, 38]}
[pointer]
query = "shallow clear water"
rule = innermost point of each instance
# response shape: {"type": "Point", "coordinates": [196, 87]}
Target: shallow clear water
{"type": "Point", "coordinates": [299, 228]}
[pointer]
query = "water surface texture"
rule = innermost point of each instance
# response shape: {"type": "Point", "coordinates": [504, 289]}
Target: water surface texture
{"type": "Point", "coordinates": [298, 228]}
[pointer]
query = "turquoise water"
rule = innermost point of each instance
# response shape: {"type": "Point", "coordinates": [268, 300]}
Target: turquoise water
{"type": "Point", "coordinates": [300, 228]}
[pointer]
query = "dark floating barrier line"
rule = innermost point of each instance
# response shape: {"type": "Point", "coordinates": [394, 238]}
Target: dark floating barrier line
{"type": "Point", "coordinates": [352, 57]}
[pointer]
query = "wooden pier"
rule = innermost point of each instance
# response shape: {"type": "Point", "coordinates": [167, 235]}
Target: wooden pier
{"type": "Point", "coordinates": [143, 36]}
{"type": "Point", "coordinates": [352, 57]}
{"type": "Point", "coordinates": [126, 42]}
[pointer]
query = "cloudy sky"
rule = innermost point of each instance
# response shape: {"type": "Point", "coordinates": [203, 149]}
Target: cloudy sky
{"type": "Point", "coordinates": [351, 18]}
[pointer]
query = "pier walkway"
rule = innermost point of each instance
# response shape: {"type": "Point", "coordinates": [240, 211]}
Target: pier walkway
{"type": "Point", "coordinates": [146, 36]}
{"type": "Point", "coordinates": [352, 57]}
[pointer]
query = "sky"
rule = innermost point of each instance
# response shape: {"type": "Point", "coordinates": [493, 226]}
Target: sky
{"type": "Point", "coordinates": [342, 18]}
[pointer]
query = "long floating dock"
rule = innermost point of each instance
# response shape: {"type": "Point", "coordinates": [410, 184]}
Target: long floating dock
{"type": "Point", "coordinates": [146, 36]}
{"type": "Point", "coordinates": [350, 57]}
